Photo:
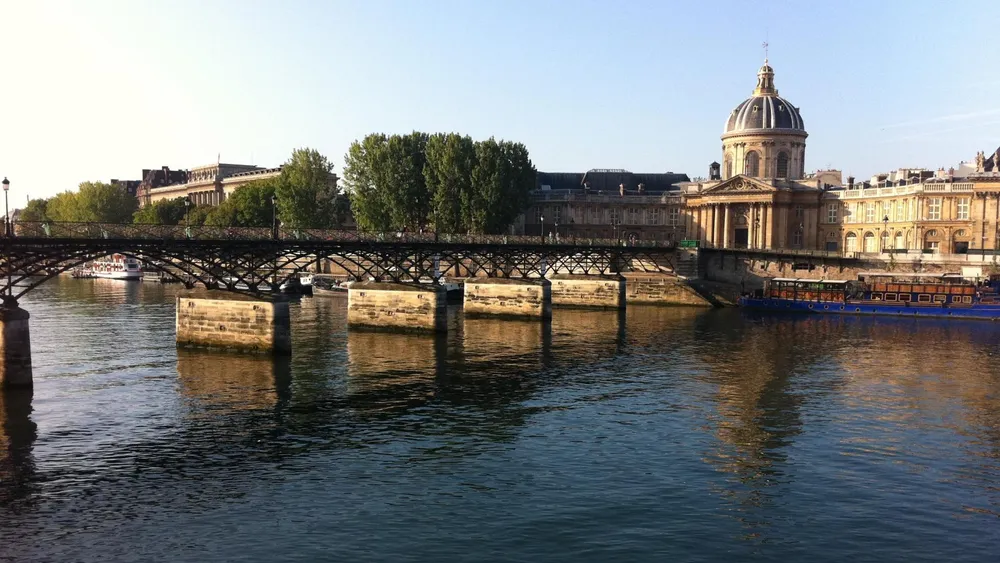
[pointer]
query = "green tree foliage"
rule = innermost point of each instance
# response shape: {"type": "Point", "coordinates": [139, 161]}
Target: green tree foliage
{"type": "Point", "coordinates": [95, 202]}
{"type": "Point", "coordinates": [36, 210]}
{"type": "Point", "coordinates": [461, 186]}
{"type": "Point", "coordinates": [198, 215]}
{"type": "Point", "coordinates": [365, 175]}
{"type": "Point", "coordinates": [502, 180]}
{"type": "Point", "coordinates": [163, 212]}
{"type": "Point", "coordinates": [306, 194]}
{"type": "Point", "coordinates": [252, 203]}
{"type": "Point", "coordinates": [448, 175]}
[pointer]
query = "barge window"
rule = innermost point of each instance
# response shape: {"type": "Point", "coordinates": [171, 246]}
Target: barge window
{"type": "Point", "coordinates": [876, 297]}
{"type": "Point", "coordinates": [905, 297]}
{"type": "Point", "coordinates": [967, 299]}
{"type": "Point", "coordinates": [890, 296]}
{"type": "Point", "coordinates": [923, 298]}
{"type": "Point", "coordinates": [940, 298]}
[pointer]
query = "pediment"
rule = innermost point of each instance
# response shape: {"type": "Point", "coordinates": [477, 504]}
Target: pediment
{"type": "Point", "coordinates": [740, 185]}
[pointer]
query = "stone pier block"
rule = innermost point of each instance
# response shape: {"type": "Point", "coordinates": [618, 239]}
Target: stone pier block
{"type": "Point", "coordinates": [398, 307]}
{"type": "Point", "coordinates": [661, 289]}
{"type": "Point", "coordinates": [505, 297]}
{"type": "Point", "coordinates": [589, 291]}
{"type": "Point", "coordinates": [15, 348]}
{"type": "Point", "coordinates": [236, 322]}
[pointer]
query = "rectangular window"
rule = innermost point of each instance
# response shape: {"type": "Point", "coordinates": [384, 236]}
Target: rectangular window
{"type": "Point", "coordinates": [798, 211]}
{"type": "Point", "coordinates": [890, 296]}
{"type": "Point", "coordinates": [595, 215]}
{"type": "Point", "coordinates": [674, 216]}
{"type": "Point", "coordinates": [934, 208]}
{"type": "Point", "coordinates": [797, 239]}
{"type": "Point", "coordinates": [633, 216]}
{"type": "Point", "coordinates": [923, 298]}
{"type": "Point", "coordinates": [899, 211]}
{"type": "Point", "coordinates": [654, 216]}
{"type": "Point", "coordinates": [831, 213]}
{"type": "Point", "coordinates": [940, 298]}
{"type": "Point", "coordinates": [614, 214]}
{"type": "Point", "coordinates": [962, 208]}
{"type": "Point", "coordinates": [870, 212]}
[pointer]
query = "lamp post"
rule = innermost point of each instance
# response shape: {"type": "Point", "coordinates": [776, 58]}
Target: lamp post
{"type": "Point", "coordinates": [885, 231]}
{"type": "Point", "coordinates": [557, 230]}
{"type": "Point", "coordinates": [187, 210]}
{"type": "Point", "coordinates": [274, 217]}
{"type": "Point", "coordinates": [541, 219]}
{"type": "Point", "coordinates": [6, 212]}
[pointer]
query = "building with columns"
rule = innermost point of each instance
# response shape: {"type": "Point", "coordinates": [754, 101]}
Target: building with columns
{"type": "Point", "coordinates": [204, 185]}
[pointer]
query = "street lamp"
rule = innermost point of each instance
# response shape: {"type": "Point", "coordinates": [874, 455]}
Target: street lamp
{"type": "Point", "coordinates": [6, 212]}
{"type": "Point", "coordinates": [557, 230]}
{"type": "Point", "coordinates": [274, 217]}
{"type": "Point", "coordinates": [187, 209]}
{"type": "Point", "coordinates": [541, 218]}
{"type": "Point", "coordinates": [885, 231]}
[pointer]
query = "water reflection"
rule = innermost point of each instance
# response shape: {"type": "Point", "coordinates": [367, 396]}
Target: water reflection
{"type": "Point", "coordinates": [516, 345]}
{"type": "Point", "coordinates": [17, 437]}
{"type": "Point", "coordinates": [232, 382]}
{"type": "Point", "coordinates": [587, 335]}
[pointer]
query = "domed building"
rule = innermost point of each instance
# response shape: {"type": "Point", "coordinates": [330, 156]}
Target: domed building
{"type": "Point", "coordinates": [760, 196]}
{"type": "Point", "coordinates": [765, 136]}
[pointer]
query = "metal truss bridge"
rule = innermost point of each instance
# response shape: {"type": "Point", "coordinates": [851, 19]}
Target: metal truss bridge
{"type": "Point", "coordinates": [254, 260]}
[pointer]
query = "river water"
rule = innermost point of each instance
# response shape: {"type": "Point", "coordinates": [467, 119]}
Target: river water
{"type": "Point", "coordinates": [657, 434]}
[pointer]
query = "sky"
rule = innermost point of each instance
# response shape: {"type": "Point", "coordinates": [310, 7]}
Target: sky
{"type": "Point", "coordinates": [95, 90]}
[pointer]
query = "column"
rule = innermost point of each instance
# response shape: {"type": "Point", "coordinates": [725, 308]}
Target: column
{"type": "Point", "coordinates": [766, 235]}
{"type": "Point", "coordinates": [711, 225]}
{"type": "Point", "coordinates": [752, 227]}
{"type": "Point", "coordinates": [699, 229]}
{"type": "Point", "coordinates": [725, 227]}
{"type": "Point", "coordinates": [783, 227]}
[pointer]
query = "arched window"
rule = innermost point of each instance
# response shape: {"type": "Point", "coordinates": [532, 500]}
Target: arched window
{"type": "Point", "coordinates": [870, 242]}
{"type": "Point", "coordinates": [729, 166]}
{"type": "Point", "coordinates": [782, 165]}
{"type": "Point", "coordinates": [751, 164]}
{"type": "Point", "coordinates": [851, 242]}
{"type": "Point", "coordinates": [899, 240]}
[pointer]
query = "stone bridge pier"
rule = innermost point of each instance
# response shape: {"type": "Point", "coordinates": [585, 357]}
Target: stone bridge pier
{"type": "Point", "coordinates": [509, 297]}
{"type": "Point", "coordinates": [229, 321]}
{"type": "Point", "coordinates": [15, 347]}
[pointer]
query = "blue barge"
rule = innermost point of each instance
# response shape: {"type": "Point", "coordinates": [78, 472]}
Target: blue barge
{"type": "Point", "coordinates": [897, 295]}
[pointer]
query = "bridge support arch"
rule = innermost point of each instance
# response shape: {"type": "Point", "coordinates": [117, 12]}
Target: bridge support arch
{"type": "Point", "coordinates": [15, 347]}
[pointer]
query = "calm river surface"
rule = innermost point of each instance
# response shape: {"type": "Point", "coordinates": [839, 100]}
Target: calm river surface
{"type": "Point", "coordinates": [654, 435]}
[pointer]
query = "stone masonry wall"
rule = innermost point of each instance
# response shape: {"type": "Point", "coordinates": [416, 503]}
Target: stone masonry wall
{"type": "Point", "coordinates": [508, 297]}
{"type": "Point", "coordinates": [588, 291]}
{"type": "Point", "coordinates": [234, 323]}
{"type": "Point", "coordinates": [749, 274]}
{"type": "Point", "coordinates": [396, 306]}
{"type": "Point", "coordinates": [15, 348]}
{"type": "Point", "coordinates": [661, 289]}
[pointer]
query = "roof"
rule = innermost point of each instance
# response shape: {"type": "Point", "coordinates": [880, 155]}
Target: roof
{"type": "Point", "coordinates": [808, 280]}
{"type": "Point", "coordinates": [764, 112]}
{"type": "Point", "coordinates": [610, 180]}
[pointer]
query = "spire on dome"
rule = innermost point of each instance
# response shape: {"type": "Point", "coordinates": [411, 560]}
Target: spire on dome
{"type": "Point", "coordinates": [765, 81]}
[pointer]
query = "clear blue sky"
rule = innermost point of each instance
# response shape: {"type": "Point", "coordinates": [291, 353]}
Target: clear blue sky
{"type": "Point", "coordinates": [98, 90]}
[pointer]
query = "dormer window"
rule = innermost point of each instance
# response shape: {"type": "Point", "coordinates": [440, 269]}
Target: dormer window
{"type": "Point", "coordinates": [755, 109]}
{"type": "Point", "coordinates": [781, 107]}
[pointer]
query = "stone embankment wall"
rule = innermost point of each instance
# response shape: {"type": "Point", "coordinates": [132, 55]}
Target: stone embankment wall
{"type": "Point", "coordinates": [15, 348]}
{"type": "Point", "coordinates": [750, 273]}
{"type": "Point", "coordinates": [607, 292]}
{"type": "Point", "coordinates": [508, 297]}
{"type": "Point", "coordinates": [396, 306]}
{"type": "Point", "coordinates": [661, 289]}
{"type": "Point", "coordinates": [234, 322]}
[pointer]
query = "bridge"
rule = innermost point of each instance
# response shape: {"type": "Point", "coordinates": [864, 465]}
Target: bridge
{"type": "Point", "coordinates": [398, 276]}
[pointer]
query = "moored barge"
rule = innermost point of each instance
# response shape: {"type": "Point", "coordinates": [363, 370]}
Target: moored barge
{"type": "Point", "coordinates": [887, 294]}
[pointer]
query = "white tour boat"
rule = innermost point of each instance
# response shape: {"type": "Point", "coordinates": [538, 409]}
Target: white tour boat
{"type": "Point", "coordinates": [115, 267]}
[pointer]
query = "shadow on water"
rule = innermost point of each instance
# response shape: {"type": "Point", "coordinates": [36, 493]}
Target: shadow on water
{"type": "Point", "coordinates": [17, 437]}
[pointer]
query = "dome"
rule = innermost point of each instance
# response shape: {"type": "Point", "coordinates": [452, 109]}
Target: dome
{"type": "Point", "coordinates": [765, 109]}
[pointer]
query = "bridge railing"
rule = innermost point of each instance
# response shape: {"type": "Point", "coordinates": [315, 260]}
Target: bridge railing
{"type": "Point", "coordinates": [63, 230]}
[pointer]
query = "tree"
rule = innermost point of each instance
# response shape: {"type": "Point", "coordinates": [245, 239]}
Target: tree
{"type": "Point", "coordinates": [502, 180]}
{"type": "Point", "coordinates": [364, 174]}
{"type": "Point", "coordinates": [96, 202]}
{"type": "Point", "coordinates": [35, 210]}
{"type": "Point", "coordinates": [198, 215]}
{"type": "Point", "coordinates": [163, 212]}
{"type": "Point", "coordinates": [448, 175]}
{"type": "Point", "coordinates": [386, 179]}
{"type": "Point", "coordinates": [306, 191]}
{"type": "Point", "coordinates": [252, 203]}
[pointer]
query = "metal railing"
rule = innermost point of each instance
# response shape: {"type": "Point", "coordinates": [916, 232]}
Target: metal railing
{"type": "Point", "coordinates": [60, 230]}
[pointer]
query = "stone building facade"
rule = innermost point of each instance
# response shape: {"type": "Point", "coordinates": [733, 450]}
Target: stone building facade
{"type": "Point", "coordinates": [205, 185]}
{"type": "Point", "coordinates": [760, 197]}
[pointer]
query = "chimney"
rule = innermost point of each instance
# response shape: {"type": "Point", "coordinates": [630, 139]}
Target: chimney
{"type": "Point", "coordinates": [850, 182]}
